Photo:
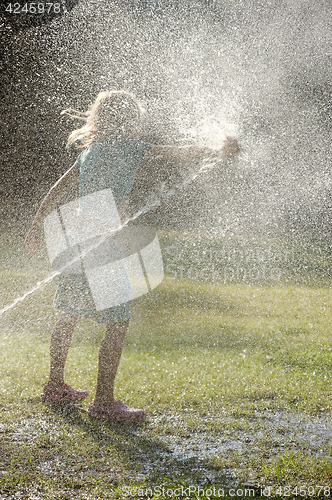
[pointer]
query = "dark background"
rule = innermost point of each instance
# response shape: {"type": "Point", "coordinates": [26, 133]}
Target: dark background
{"type": "Point", "coordinates": [273, 59]}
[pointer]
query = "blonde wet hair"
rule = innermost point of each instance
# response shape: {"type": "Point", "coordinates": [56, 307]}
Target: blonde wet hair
{"type": "Point", "coordinates": [114, 112]}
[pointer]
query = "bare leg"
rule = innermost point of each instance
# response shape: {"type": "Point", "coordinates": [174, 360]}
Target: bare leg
{"type": "Point", "coordinates": [60, 342]}
{"type": "Point", "coordinates": [109, 359]}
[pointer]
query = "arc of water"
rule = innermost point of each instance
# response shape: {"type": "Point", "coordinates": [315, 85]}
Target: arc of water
{"type": "Point", "coordinates": [29, 292]}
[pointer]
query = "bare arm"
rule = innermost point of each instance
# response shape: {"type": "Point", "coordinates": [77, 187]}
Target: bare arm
{"type": "Point", "coordinates": [33, 240]}
{"type": "Point", "coordinates": [186, 153]}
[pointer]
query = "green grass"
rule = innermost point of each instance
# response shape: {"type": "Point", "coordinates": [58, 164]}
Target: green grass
{"type": "Point", "coordinates": [207, 361]}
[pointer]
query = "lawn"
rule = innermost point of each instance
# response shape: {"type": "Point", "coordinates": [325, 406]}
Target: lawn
{"type": "Point", "coordinates": [230, 357]}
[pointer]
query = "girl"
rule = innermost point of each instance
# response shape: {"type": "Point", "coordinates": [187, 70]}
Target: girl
{"type": "Point", "coordinates": [111, 156]}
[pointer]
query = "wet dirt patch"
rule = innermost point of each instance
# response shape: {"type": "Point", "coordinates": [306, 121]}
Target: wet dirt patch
{"type": "Point", "coordinates": [189, 443]}
{"type": "Point", "coordinates": [269, 431]}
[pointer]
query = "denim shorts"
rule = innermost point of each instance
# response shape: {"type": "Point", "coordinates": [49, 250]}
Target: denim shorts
{"type": "Point", "coordinates": [73, 295]}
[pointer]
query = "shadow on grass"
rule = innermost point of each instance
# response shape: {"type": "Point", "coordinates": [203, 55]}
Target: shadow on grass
{"type": "Point", "coordinates": [153, 459]}
{"type": "Point", "coordinates": [190, 297]}
{"type": "Point", "coordinates": [221, 336]}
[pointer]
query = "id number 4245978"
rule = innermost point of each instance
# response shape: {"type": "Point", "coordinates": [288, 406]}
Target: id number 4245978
{"type": "Point", "coordinates": [35, 8]}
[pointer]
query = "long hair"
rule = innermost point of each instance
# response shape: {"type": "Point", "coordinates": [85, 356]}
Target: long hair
{"type": "Point", "coordinates": [114, 112]}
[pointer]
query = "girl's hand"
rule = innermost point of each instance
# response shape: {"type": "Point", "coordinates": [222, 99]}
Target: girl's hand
{"type": "Point", "coordinates": [231, 147]}
{"type": "Point", "coordinates": [34, 240]}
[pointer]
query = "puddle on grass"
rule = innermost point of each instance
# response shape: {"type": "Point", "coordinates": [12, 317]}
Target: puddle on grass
{"type": "Point", "coordinates": [283, 427]}
{"type": "Point", "coordinates": [282, 430]}
{"type": "Point", "coordinates": [273, 430]}
{"type": "Point", "coordinates": [27, 430]}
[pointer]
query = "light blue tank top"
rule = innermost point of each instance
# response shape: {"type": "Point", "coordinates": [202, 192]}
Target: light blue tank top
{"type": "Point", "coordinates": [110, 163]}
